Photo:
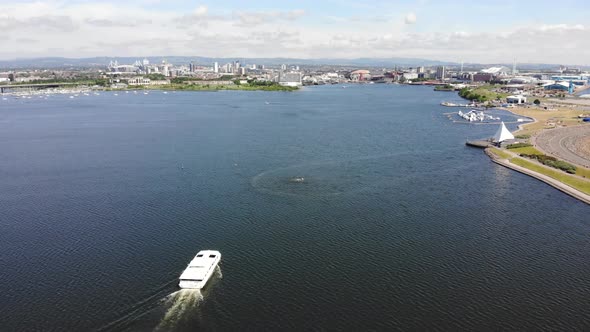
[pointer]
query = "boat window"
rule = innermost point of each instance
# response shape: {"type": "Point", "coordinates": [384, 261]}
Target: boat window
{"type": "Point", "coordinates": [211, 256]}
{"type": "Point", "coordinates": [200, 255]}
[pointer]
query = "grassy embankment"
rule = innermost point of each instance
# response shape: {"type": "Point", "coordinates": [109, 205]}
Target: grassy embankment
{"type": "Point", "coordinates": [575, 181]}
{"type": "Point", "coordinates": [481, 94]}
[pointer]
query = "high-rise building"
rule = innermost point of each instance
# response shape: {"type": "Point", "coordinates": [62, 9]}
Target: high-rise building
{"type": "Point", "coordinates": [216, 67]}
{"type": "Point", "coordinates": [283, 67]}
{"type": "Point", "coordinates": [420, 70]}
{"type": "Point", "coordinates": [440, 73]}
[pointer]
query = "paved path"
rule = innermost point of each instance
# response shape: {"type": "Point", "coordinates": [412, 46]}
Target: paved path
{"type": "Point", "coordinates": [568, 143]}
{"type": "Point", "coordinates": [549, 180]}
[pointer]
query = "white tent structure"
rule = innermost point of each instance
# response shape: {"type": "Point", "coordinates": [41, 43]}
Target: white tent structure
{"type": "Point", "coordinates": [502, 134]}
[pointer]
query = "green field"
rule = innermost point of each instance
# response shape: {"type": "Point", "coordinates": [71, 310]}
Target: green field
{"type": "Point", "coordinates": [482, 94]}
{"type": "Point", "coordinates": [526, 150]}
{"type": "Point", "coordinates": [572, 181]}
{"type": "Point", "coordinates": [500, 153]}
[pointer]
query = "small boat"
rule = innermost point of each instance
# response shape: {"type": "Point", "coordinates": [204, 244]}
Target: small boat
{"type": "Point", "coordinates": [200, 269]}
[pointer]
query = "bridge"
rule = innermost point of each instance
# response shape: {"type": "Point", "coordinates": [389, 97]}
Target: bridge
{"type": "Point", "coordinates": [35, 86]}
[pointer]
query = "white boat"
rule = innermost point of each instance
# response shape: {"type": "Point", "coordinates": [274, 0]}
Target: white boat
{"type": "Point", "coordinates": [200, 269]}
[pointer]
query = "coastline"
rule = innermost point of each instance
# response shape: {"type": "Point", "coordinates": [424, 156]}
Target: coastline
{"type": "Point", "coordinates": [559, 185]}
{"type": "Point", "coordinates": [544, 178]}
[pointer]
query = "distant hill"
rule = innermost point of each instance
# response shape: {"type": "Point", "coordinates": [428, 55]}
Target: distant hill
{"type": "Point", "coordinates": [55, 62]}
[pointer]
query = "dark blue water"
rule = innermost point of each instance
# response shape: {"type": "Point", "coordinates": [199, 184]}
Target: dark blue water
{"type": "Point", "coordinates": [398, 225]}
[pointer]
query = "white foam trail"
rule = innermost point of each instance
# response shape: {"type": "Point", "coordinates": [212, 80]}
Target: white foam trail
{"type": "Point", "coordinates": [182, 303]}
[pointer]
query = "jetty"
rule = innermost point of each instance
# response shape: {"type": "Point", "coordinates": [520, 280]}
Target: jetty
{"type": "Point", "coordinates": [482, 144]}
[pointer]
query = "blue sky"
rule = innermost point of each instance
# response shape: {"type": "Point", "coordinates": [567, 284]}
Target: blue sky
{"type": "Point", "coordinates": [472, 31]}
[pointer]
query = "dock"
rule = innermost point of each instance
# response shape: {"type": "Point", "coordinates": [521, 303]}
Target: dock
{"type": "Point", "coordinates": [482, 144]}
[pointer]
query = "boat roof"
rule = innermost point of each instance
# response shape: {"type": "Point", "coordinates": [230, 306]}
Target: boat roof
{"type": "Point", "coordinates": [203, 262]}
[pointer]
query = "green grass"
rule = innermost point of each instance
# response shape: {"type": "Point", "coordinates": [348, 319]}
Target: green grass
{"type": "Point", "coordinates": [527, 150]}
{"type": "Point", "coordinates": [583, 172]}
{"type": "Point", "coordinates": [572, 181]}
{"type": "Point", "coordinates": [482, 93]}
{"type": "Point", "coordinates": [500, 153]}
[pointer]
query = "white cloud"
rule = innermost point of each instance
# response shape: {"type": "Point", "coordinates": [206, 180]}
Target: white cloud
{"type": "Point", "coordinates": [201, 11]}
{"type": "Point", "coordinates": [410, 18]}
{"type": "Point", "coordinates": [106, 29]}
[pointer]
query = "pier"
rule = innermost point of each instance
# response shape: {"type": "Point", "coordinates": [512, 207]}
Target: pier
{"type": "Point", "coordinates": [482, 144]}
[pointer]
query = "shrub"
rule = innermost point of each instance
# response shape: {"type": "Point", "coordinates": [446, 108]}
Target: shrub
{"type": "Point", "coordinates": [552, 162]}
{"type": "Point", "coordinates": [523, 136]}
{"type": "Point", "coordinates": [517, 145]}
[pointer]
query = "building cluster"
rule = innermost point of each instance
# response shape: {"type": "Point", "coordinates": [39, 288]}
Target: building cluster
{"type": "Point", "coordinates": [145, 72]}
{"type": "Point", "coordinates": [139, 72]}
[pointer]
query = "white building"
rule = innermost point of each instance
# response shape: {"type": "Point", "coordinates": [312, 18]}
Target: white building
{"type": "Point", "coordinates": [138, 81]}
{"type": "Point", "coordinates": [519, 99]}
{"type": "Point", "coordinates": [216, 67]}
{"type": "Point", "coordinates": [290, 79]}
{"type": "Point", "coordinates": [410, 76]}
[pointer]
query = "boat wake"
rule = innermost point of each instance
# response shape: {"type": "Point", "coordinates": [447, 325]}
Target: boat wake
{"type": "Point", "coordinates": [181, 304]}
{"type": "Point", "coordinates": [165, 312]}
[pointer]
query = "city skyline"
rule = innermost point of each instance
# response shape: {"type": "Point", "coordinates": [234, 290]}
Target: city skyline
{"type": "Point", "coordinates": [453, 31]}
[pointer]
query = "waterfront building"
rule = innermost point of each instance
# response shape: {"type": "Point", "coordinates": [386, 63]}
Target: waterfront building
{"type": "Point", "coordinates": [559, 86]}
{"type": "Point", "coordinates": [290, 79]}
{"type": "Point", "coordinates": [360, 75]}
{"type": "Point", "coordinates": [410, 76]}
{"type": "Point", "coordinates": [138, 81]}
{"type": "Point", "coordinates": [216, 67]}
{"type": "Point", "coordinates": [420, 70]}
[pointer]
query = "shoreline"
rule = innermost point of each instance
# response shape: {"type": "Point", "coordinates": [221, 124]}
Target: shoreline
{"type": "Point", "coordinates": [544, 178]}
{"type": "Point", "coordinates": [559, 185]}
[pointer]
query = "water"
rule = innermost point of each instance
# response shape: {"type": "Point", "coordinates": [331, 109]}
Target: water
{"type": "Point", "coordinates": [397, 224]}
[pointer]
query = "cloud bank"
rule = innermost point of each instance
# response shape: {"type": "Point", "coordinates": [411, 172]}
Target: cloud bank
{"type": "Point", "coordinates": [85, 29]}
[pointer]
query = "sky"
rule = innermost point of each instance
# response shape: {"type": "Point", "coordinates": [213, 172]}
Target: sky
{"type": "Point", "coordinates": [498, 31]}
